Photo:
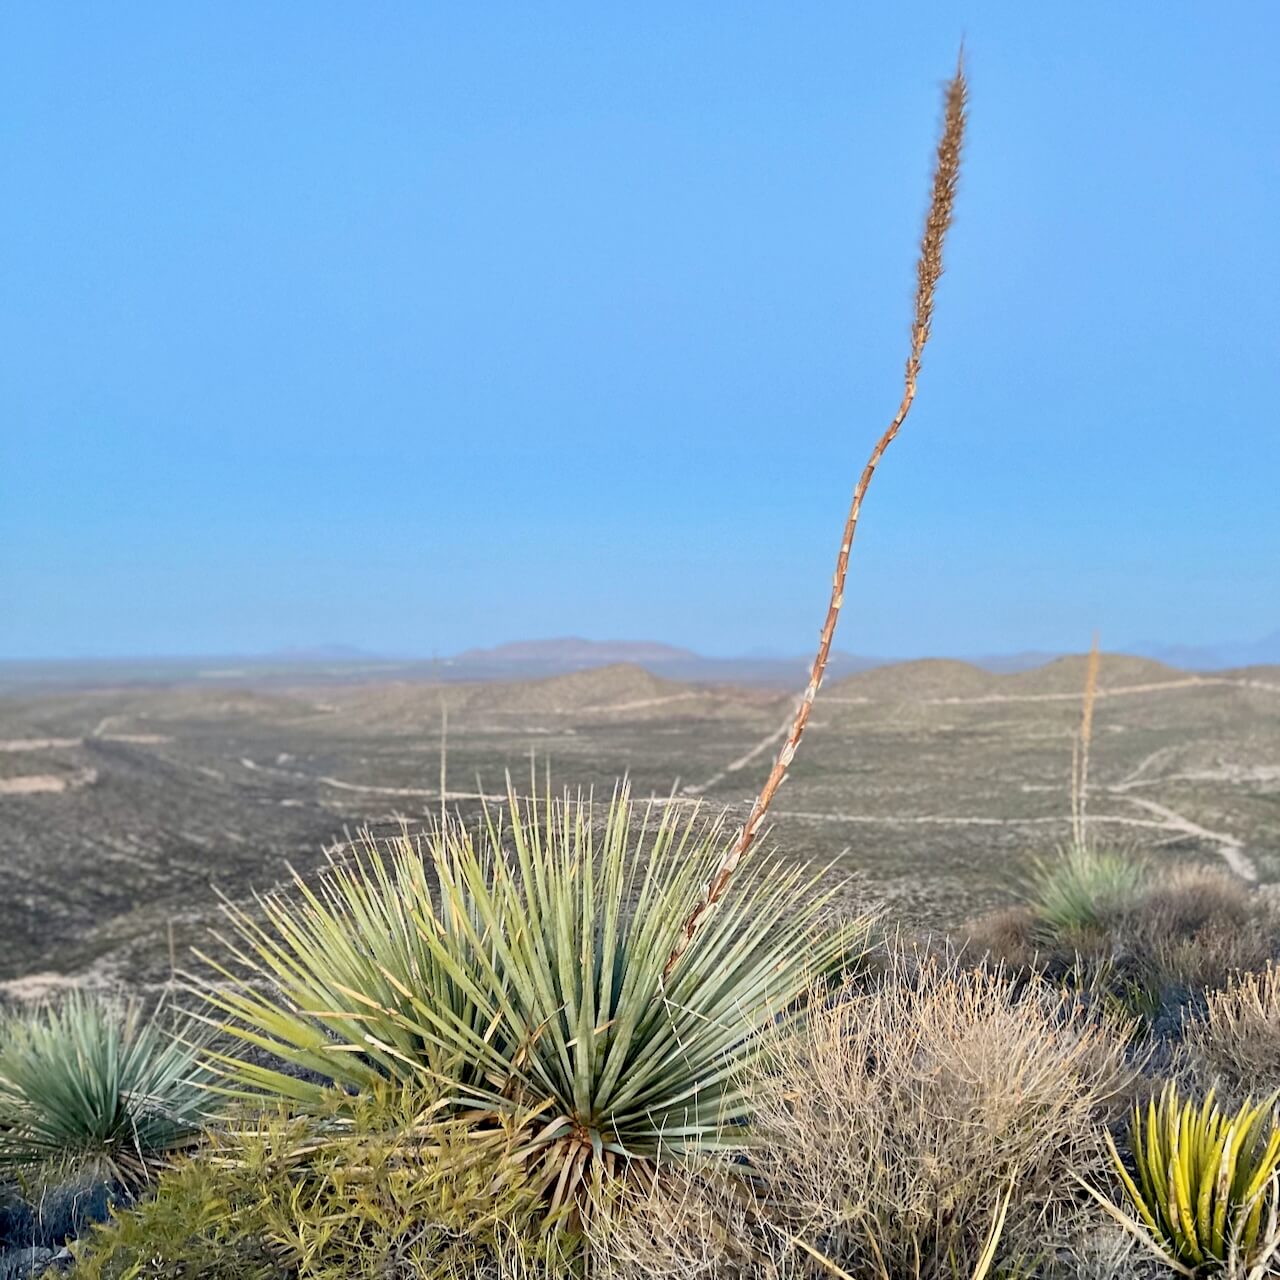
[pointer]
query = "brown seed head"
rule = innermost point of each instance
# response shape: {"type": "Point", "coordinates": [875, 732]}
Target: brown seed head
{"type": "Point", "coordinates": [946, 177]}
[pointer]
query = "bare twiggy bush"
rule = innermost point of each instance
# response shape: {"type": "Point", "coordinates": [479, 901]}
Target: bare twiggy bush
{"type": "Point", "coordinates": [946, 178]}
{"type": "Point", "coordinates": [1009, 936]}
{"type": "Point", "coordinates": [1108, 1252]}
{"type": "Point", "coordinates": [1190, 898]}
{"type": "Point", "coordinates": [894, 1126]}
{"type": "Point", "coordinates": [1237, 1044]}
{"type": "Point", "coordinates": [685, 1224]}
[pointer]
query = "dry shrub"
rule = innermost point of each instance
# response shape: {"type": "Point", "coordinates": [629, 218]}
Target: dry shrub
{"type": "Point", "coordinates": [1191, 932]}
{"type": "Point", "coordinates": [1010, 936]}
{"type": "Point", "coordinates": [1109, 1252]}
{"type": "Point", "coordinates": [1190, 898]}
{"type": "Point", "coordinates": [1187, 930]}
{"type": "Point", "coordinates": [893, 1127]}
{"type": "Point", "coordinates": [1237, 1044]}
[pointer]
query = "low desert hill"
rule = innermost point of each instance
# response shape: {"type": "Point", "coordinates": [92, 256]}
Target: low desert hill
{"type": "Point", "coordinates": [912, 681]}
{"type": "Point", "coordinates": [598, 687]}
{"type": "Point", "coordinates": [932, 679]}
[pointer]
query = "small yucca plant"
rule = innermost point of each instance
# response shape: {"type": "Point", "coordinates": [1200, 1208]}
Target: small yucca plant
{"type": "Point", "coordinates": [523, 969]}
{"type": "Point", "coordinates": [1082, 884]}
{"type": "Point", "coordinates": [1204, 1178]}
{"type": "Point", "coordinates": [92, 1084]}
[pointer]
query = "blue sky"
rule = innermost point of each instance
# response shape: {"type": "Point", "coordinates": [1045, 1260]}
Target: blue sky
{"type": "Point", "coordinates": [425, 326]}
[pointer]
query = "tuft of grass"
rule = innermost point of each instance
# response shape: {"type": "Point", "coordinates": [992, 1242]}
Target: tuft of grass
{"type": "Point", "coordinates": [521, 970]}
{"type": "Point", "coordinates": [1205, 1183]}
{"type": "Point", "coordinates": [95, 1086]}
{"type": "Point", "coordinates": [1084, 885]}
{"type": "Point", "coordinates": [911, 1125]}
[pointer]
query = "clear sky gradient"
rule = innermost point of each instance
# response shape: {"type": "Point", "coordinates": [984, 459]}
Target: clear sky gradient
{"type": "Point", "coordinates": [421, 326]}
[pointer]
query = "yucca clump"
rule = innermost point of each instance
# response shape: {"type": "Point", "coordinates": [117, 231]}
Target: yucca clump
{"type": "Point", "coordinates": [522, 970]}
{"type": "Point", "coordinates": [1084, 885]}
{"type": "Point", "coordinates": [1206, 1185]}
{"type": "Point", "coordinates": [90, 1084]}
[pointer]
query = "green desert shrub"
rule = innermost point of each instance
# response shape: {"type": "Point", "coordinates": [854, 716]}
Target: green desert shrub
{"type": "Point", "coordinates": [191, 1227]}
{"type": "Point", "coordinates": [95, 1085]}
{"type": "Point", "coordinates": [521, 970]}
{"type": "Point", "coordinates": [1204, 1184]}
{"type": "Point", "coordinates": [379, 1187]}
{"type": "Point", "coordinates": [914, 1123]}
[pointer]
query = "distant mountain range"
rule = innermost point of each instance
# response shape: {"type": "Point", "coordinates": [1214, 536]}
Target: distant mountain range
{"type": "Point", "coordinates": [535, 659]}
{"type": "Point", "coordinates": [1213, 657]}
{"type": "Point", "coordinates": [529, 659]}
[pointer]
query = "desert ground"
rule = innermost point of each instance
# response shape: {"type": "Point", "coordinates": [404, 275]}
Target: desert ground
{"type": "Point", "coordinates": [927, 786]}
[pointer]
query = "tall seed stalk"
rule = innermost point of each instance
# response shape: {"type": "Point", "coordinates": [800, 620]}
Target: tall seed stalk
{"type": "Point", "coordinates": [946, 174]}
{"type": "Point", "coordinates": [1080, 747]}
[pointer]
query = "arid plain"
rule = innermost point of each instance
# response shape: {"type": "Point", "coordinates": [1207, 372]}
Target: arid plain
{"type": "Point", "coordinates": [927, 785]}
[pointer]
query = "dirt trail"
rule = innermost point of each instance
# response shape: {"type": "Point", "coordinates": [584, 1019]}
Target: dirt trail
{"type": "Point", "coordinates": [64, 744]}
{"type": "Point", "coordinates": [1230, 847]}
{"type": "Point", "coordinates": [1114, 691]}
{"type": "Point", "coordinates": [638, 703]}
{"type": "Point", "coordinates": [30, 784]}
{"type": "Point", "coordinates": [742, 761]}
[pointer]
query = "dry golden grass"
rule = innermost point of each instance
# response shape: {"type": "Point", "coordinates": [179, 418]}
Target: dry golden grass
{"type": "Point", "coordinates": [893, 1128]}
{"type": "Point", "coordinates": [1236, 1046]}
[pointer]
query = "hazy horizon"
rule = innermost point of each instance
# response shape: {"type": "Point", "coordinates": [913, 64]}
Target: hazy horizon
{"type": "Point", "coordinates": [426, 331]}
{"type": "Point", "coordinates": [341, 652]}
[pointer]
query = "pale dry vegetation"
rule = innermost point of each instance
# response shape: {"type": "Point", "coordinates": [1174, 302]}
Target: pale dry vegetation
{"type": "Point", "coordinates": [1236, 1045]}
{"type": "Point", "coordinates": [1153, 940]}
{"type": "Point", "coordinates": [915, 1120]}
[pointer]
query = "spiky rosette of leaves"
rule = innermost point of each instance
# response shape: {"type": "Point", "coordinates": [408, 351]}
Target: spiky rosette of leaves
{"type": "Point", "coordinates": [90, 1082]}
{"type": "Point", "coordinates": [521, 967]}
{"type": "Point", "coordinates": [1083, 884]}
{"type": "Point", "coordinates": [1205, 1183]}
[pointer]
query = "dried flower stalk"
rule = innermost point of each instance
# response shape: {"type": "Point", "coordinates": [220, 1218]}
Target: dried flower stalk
{"type": "Point", "coordinates": [1080, 748]}
{"type": "Point", "coordinates": [946, 175]}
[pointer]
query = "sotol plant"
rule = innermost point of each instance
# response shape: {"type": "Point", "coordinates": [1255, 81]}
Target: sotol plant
{"type": "Point", "coordinates": [1083, 885]}
{"type": "Point", "coordinates": [523, 970]}
{"type": "Point", "coordinates": [1085, 882]}
{"type": "Point", "coordinates": [86, 1082]}
{"type": "Point", "coordinates": [946, 179]}
{"type": "Point", "coordinates": [617, 981]}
